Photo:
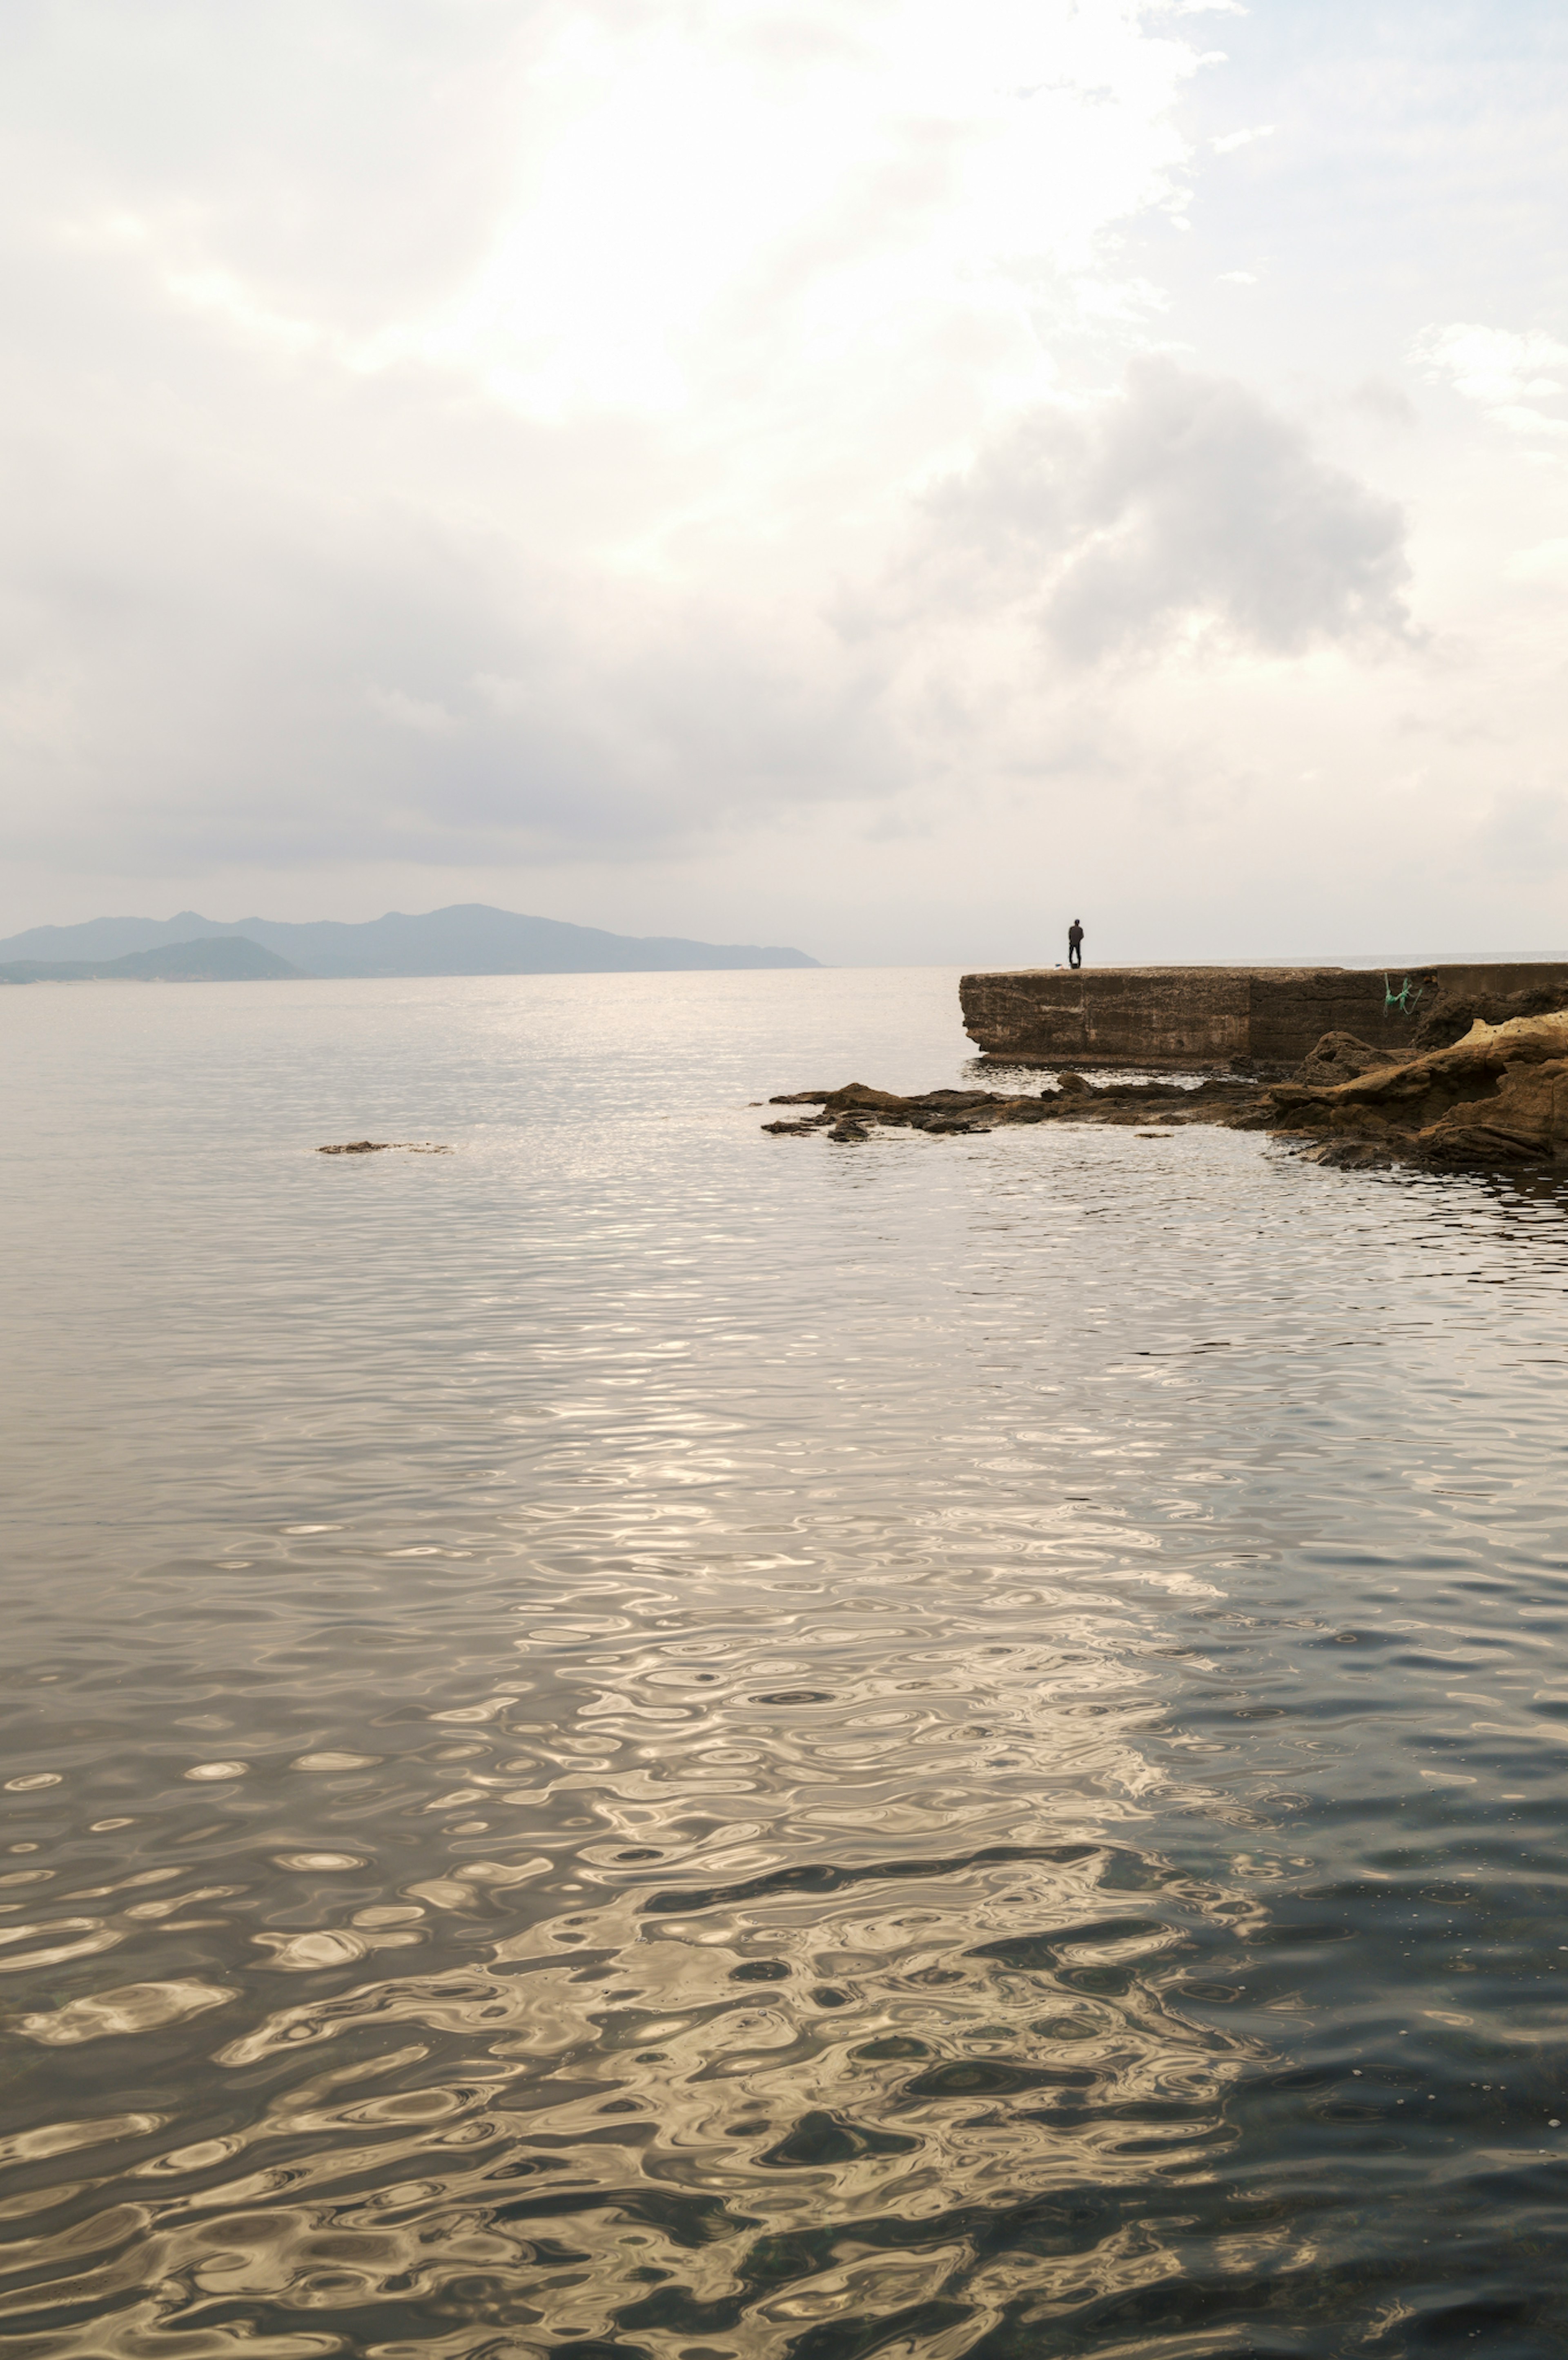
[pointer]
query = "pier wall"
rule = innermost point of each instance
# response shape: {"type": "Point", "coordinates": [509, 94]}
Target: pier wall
{"type": "Point", "coordinates": [1187, 1016]}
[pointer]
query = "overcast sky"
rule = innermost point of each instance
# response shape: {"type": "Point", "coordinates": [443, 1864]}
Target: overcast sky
{"type": "Point", "coordinates": [883, 475]}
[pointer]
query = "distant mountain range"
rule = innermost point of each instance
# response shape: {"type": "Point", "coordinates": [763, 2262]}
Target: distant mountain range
{"type": "Point", "coordinates": [470, 938]}
{"type": "Point", "coordinates": [222, 958]}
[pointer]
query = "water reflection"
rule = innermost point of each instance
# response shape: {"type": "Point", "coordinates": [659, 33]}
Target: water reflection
{"type": "Point", "coordinates": [816, 2094]}
{"type": "Point", "coordinates": [755, 1965]}
{"type": "Point", "coordinates": [957, 1750]}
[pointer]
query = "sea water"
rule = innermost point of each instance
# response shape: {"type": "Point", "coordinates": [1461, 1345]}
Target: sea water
{"type": "Point", "coordinates": [640, 1738]}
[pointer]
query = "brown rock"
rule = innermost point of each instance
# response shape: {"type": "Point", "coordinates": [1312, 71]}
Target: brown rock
{"type": "Point", "coordinates": [1500, 1096]}
{"type": "Point", "coordinates": [1349, 1155]}
{"type": "Point", "coordinates": [1525, 1122]}
{"type": "Point", "coordinates": [1452, 1012]}
{"type": "Point", "coordinates": [861, 1094]}
{"type": "Point", "coordinates": [1341, 1057]}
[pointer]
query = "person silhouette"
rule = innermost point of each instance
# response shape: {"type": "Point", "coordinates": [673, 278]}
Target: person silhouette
{"type": "Point", "coordinates": [1075, 943]}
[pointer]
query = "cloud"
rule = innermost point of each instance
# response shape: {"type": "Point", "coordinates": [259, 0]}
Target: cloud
{"type": "Point", "coordinates": [208, 668]}
{"type": "Point", "coordinates": [1232, 140]}
{"type": "Point", "coordinates": [1545, 563]}
{"type": "Point", "coordinates": [1504, 373]}
{"type": "Point", "coordinates": [1525, 833]}
{"type": "Point", "coordinates": [1186, 506]}
{"type": "Point", "coordinates": [436, 426]}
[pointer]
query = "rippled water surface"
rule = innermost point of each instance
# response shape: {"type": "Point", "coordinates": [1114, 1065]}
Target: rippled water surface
{"type": "Point", "coordinates": [643, 1739]}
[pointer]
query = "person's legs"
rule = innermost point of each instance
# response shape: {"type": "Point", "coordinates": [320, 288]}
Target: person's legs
{"type": "Point", "coordinates": [1074, 955]}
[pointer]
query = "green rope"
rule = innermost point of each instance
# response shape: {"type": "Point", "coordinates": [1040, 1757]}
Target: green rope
{"type": "Point", "coordinates": [1401, 999]}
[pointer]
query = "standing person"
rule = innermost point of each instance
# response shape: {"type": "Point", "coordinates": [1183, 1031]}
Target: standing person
{"type": "Point", "coordinates": [1075, 943]}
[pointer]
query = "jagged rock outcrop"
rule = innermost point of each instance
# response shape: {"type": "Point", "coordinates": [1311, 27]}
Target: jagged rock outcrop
{"type": "Point", "coordinates": [854, 1111]}
{"type": "Point", "coordinates": [1499, 1096]}
{"type": "Point", "coordinates": [1449, 1017]}
{"type": "Point", "coordinates": [1341, 1057]}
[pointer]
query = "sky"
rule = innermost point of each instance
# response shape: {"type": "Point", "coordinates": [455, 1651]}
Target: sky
{"type": "Point", "coordinates": [875, 475]}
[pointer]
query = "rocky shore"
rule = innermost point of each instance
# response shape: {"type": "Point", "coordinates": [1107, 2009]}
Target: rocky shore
{"type": "Point", "coordinates": [854, 1111]}
{"type": "Point", "coordinates": [1497, 1096]}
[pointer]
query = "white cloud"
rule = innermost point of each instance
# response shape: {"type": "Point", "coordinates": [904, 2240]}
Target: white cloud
{"type": "Point", "coordinates": [1230, 141]}
{"type": "Point", "coordinates": [1546, 562]}
{"type": "Point", "coordinates": [1525, 832]}
{"type": "Point", "coordinates": [1185, 507]}
{"type": "Point", "coordinates": [445, 425]}
{"type": "Point", "coordinates": [1506, 374]}
{"type": "Point", "coordinates": [450, 432]}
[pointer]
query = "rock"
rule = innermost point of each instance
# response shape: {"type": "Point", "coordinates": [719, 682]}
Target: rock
{"type": "Point", "coordinates": [1348, 1155]}
{"type": "Point", "coordinates": [1452, 1013]}
{"type": "Point", "coordinates": [1341, 1057]}
{"type": "Point", "coordinates": [1526, 1123]}
{"type": "Point", "coordinates": [861, 1094]}
{"type": "Point", "coordinates": [951, 1112]}
{"type": "Point", "coordinates": [384, 1147]}
{"type": "Point", "coordinates": [1500, 1096]}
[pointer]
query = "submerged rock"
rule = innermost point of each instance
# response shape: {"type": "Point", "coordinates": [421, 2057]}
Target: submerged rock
{"type": "Point", "coordinates": [1348, 1155]}
{"type": "Point", "coordinates": [384, 1147]}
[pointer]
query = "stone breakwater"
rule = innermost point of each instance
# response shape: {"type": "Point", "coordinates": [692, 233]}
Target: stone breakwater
{"type": "Point", "coordinates": [1259, 1019]}
{"type": "Point", "coordinates": [1497, 1097]}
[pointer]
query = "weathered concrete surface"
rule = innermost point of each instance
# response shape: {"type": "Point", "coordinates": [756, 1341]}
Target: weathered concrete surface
{"type": "Point", "coordinates": [1181, 1017]}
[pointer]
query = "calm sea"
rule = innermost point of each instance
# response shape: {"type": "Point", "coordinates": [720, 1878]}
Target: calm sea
{"type": "Point", "coordinates": [644, 1740]}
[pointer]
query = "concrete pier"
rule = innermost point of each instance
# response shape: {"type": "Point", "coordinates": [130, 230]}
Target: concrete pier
{"type": "Point", "coordinates": [1174, 1017]}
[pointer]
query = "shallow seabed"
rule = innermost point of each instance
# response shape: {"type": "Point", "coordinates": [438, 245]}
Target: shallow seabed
{"type": "Point", "coordinates": [643, 1739]}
